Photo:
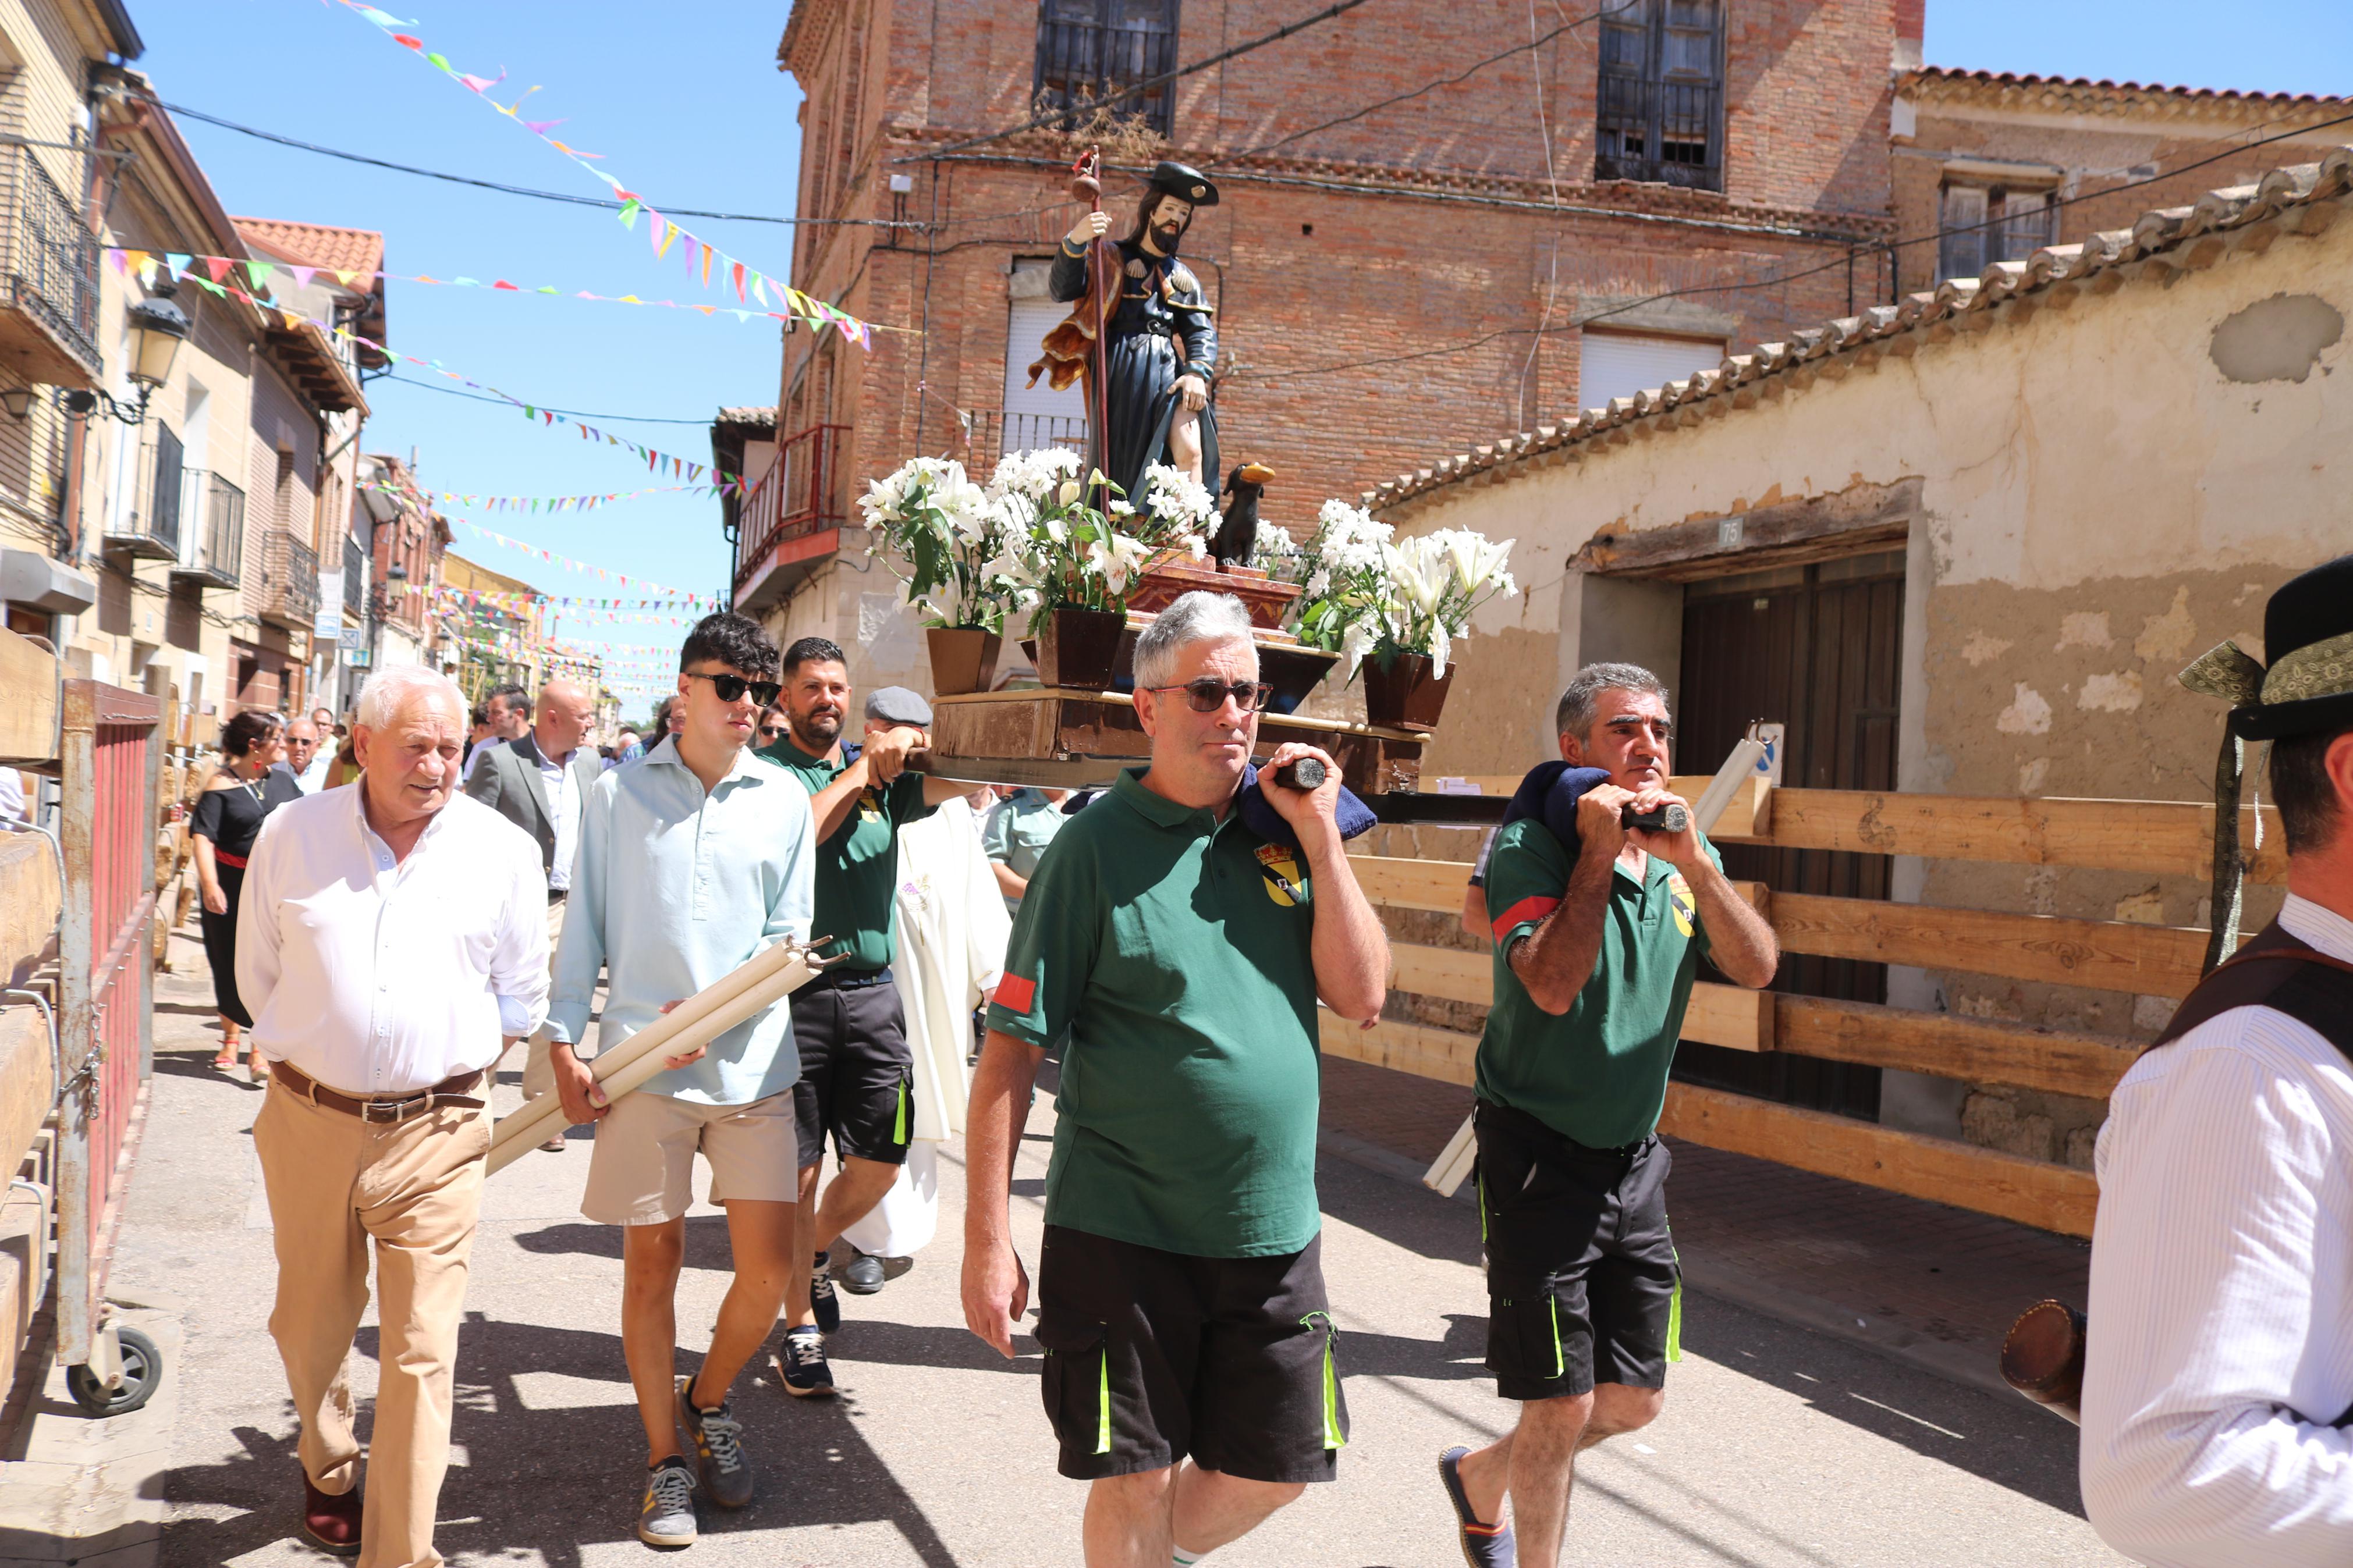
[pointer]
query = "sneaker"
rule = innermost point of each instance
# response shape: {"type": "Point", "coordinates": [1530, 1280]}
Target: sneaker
{"type": "Point", "coordinates": [863, 1277]}
{"type": "Point", "coordinates": [823, 1300]}
{"type": "Point", "coordinates": [718, 1449]}
{"type": "Point", "coordinates": [800, 1362]}
{"type": "Point", "coordinates": [667, 1517]}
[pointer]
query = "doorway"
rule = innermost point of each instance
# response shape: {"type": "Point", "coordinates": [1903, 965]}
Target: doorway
{"type": "Point", "coordinates": [1818, 648]}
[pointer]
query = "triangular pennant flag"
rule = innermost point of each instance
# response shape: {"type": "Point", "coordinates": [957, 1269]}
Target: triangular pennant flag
{"type": "Point", "coordinates": [176, 263]}
{"type": "Point", "coordinates": [303, 276]}
{"type": "Point", "coordinates": [735, 272]}
{"type": "Point", "coordinates": [260, 272]}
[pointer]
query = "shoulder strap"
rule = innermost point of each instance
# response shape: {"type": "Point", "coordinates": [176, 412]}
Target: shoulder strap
{"type": "Point", "coordinates": [2276, 970]}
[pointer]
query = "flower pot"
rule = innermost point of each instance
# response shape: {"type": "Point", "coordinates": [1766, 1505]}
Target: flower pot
{"type": "Point", "coordinates": [1403, 694]}
{"type": "Point", "coordinates": [964, 659]}
{"type": "Point", "coordinates": [1078, 649]}
{"type": "Point", "coordinates": [1294, 672]}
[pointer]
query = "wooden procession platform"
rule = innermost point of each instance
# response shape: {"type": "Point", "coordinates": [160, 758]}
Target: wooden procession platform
{"type": "Point", "coordinates": [1061, 739]}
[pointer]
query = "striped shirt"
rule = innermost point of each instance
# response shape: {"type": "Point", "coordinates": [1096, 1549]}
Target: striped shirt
{"type": "Point", "coordinates": [2221, 1303]}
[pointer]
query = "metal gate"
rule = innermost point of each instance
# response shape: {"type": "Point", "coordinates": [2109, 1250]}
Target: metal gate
{"type": "Point", "coordinates": [110, 771]}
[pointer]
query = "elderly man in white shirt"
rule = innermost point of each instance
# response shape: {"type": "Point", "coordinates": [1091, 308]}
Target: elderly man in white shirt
{"type": "Point", "coordinates": [2219, 1378]}
{"type": "Point", "coordinates": [391, 941]}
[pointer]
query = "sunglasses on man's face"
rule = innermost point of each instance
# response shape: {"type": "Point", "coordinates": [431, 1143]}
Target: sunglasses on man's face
{"type": "Point", "coordinates": [772, 732]}
{"type": "Point", "coordinates": [731, 687]}
{"type": "Point", "coordinates": [1206, 696]}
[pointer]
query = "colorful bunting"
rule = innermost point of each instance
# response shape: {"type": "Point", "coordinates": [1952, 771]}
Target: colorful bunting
{"type": "Point", "coordinates": [664, 231]}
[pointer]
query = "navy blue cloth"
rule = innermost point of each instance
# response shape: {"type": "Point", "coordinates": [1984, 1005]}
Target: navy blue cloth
{"type": "Point", "coordinates": [1353, 815]}
{"type": "Point", "coordinates": [1550, 793]}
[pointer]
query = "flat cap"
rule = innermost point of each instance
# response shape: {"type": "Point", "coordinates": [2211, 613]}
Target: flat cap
{"type": "Point", "coordinates": [897, 705]}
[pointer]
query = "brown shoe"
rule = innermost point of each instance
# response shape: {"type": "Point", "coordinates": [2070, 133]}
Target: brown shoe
{"type": "Point", "coordinates": [333, 1523]}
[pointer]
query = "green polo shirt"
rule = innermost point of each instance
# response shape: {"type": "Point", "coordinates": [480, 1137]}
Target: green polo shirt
{"type": "Point", "coordinates": [858, 867]}
{"type": "Point", "coordinates": [1170, 953]}
{"type": "Point", "coordinates": [1018, 833]}
{"type": "Point", "coordinates": [1596, 1073]}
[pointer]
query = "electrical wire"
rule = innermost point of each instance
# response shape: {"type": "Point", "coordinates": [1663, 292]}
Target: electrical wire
{"type": "Point", "coordinates": [1893, 245]}
{"type": "Point", "coordinates": [566, 197]}
{"type": "Point", "coordinates": [569, 413]}
{"type": "Point", "coordinates": [1464, 75]}
{"type": "Point", "coordinates": [1072, 109]}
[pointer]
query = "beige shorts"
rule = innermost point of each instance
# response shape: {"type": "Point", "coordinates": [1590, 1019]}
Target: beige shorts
{"type": "Point", "coordinates": [641, 1170]}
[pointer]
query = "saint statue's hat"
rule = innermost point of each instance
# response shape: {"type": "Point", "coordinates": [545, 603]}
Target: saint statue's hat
{"type": "Point", "coordinates": [1185, 182]}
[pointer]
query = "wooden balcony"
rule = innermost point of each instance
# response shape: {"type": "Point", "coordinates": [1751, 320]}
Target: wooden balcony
{"type": "Point", "coordinates": [48, 278]}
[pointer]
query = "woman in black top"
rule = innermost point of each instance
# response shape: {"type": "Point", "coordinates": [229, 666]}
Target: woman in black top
{"type": "Point", "coordinates": [229, 818]}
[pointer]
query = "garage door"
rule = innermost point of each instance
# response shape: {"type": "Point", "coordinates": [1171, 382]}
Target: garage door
{"type": "Point", "coordinates": [1619, 364]}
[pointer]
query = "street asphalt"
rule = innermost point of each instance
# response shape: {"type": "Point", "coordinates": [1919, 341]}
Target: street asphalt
{"type": "Point", "coordinates": [1779, 1444]}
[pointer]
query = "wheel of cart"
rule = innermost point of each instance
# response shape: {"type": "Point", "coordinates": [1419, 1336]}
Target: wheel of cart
{"type": "Point", "coordinates": [137, 1372]}
{"type": "Point", "coordinates": [110, 770]}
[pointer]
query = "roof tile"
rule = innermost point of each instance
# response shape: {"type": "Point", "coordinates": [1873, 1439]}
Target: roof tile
{"type": "Point", "coordinates": [2159, 231]}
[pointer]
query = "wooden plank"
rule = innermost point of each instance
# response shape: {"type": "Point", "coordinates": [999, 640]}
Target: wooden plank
{"type": "Point", "coordinates": [1777, 534]}
{"type": "Point", "coordinates": [28, 700]}
{"type": "Point", "coordinates": [1401, 884]}
{"type": "Point", "coordinates": [1718, 1015]}
{"type": "Point", "coordinates": [2032, 1192]}
{"type": "Point", "coordinates": [1974, 1050]}
{"type": "Point", "coordinates": [2111, 955]}
{"type": "Point", "coordinates": [1446, 973]}
{"type": "Point", "coordinates": [28, 1081]}
{"type": "Point", "coordinates": [31, 897]}
{"type": "Point", "coordinates": [1732, 1016]}
{"type": "Point", "coordinates": [24, 1241]}
{"type": "Point", "coordinates": [1446, 1055]}
{"type": "Point", "coordinates": [2157, 837]}
{"type": "Point", "coordinates": [1750, 804]}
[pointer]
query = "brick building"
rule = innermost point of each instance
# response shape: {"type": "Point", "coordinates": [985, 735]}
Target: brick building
{"type": "Point", "coordinates": [1473, 256]}
{"type": "Point", "coordinates": [1995, 167]}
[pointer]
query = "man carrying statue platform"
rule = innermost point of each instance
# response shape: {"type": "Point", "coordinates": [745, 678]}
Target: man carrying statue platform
{"type": "Point", "coordinates": [1159, 336]}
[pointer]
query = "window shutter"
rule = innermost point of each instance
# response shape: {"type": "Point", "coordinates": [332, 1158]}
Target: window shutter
{"type": "Point", "coordinates": [1962, 252]}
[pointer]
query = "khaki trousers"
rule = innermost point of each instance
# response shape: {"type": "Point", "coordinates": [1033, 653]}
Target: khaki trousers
{"type": "Point", "coordinates": [415, 1188]}
{"type": "Point", "coordinates": [538, 1073]}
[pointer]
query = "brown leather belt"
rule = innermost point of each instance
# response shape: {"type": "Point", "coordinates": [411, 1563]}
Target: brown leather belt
{"type": "Point", "coordinates": [394, 1109]}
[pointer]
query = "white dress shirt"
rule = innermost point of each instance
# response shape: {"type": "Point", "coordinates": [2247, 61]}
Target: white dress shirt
{"type": "Point", "coordinates": [2221, 1303]}
{"type": "Point", "coordinates": [315, 778]}
{"type": "Point", "coordinates": [375, 976]}
{"type": "Point", "coordinates": [564, 800]}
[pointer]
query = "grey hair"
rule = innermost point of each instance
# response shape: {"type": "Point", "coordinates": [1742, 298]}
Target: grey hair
{"type": "Point", "coordinates": [1575, 714]}
{"type": "Point", "coordinates": [1197, 617]}
{"type": "Point", "coordinates": [391, 688]}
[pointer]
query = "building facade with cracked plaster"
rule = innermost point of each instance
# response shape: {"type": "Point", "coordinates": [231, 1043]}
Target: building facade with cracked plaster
{"type": "Point", "coordinates": [2095, 466]}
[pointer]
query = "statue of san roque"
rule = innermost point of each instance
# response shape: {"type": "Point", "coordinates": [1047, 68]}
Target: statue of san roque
{"type": "Point", "coordinates": [1159, 336]}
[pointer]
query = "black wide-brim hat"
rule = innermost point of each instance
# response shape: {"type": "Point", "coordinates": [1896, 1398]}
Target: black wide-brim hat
{"type": "Point", "coordinates": [1185, 182]}
{"type": "Point", "coordinates": [2308, 688]}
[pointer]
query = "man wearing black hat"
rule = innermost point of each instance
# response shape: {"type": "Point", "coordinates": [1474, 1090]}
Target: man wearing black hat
{"type": "Point", "coordinates": [1160, 345]}
{"type": "Point", "coordinates": [2219, 1378]}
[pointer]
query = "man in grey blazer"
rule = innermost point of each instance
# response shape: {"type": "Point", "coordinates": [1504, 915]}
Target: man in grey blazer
{"type": "Point", "coordinates": [539, 781]}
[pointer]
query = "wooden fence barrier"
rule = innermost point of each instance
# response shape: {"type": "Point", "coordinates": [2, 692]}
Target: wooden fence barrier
{"type": "Point", "coordinates": [2153, 837]}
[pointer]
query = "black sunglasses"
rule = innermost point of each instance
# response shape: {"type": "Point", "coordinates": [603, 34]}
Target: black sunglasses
{"type": "Point", "coordinates": [731, 687]}
{"type": "Point", "coordinates": [1207, 696]}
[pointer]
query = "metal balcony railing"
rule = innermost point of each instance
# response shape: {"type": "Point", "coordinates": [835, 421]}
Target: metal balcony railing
{"type": "Point", "coordinates": [355, 580]}
{"type": "Point", "coordinates": [148, 523]}
{"type": "Point", "coordinates": [803, 494]}
{"type": "Point", "coordinates": [51, 258]}
{"type": "Point", "coordinates": [290, 574]}
{"type": "Point", "coordinates": [996, 432]}
{"type": "Point", "coordinates": [212, 525]}
{"type": "Point", "coordinates": [1083, 59]}
{"type": "Point", "coordinates": [1661, 132]}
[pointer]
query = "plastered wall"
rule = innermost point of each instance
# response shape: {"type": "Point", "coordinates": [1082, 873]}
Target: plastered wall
{"type": "Point", "coordinates": [2108, 489]}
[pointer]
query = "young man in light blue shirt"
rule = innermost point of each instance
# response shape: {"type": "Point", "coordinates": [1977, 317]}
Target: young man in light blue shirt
{"type": "Point", "coordinates": [690, 862]}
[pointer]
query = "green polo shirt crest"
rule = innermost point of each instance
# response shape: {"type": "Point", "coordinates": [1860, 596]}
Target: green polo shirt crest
{"type": "Point", "coordinates": [1170, 953]}
{"type": "Point", "coordinates": [1596, 1073]}
{"type": "Point", "coordinates": [858, 867]}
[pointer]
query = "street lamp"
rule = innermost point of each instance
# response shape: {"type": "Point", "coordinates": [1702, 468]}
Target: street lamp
{"type": "Point", "coordinates": [158, 328]}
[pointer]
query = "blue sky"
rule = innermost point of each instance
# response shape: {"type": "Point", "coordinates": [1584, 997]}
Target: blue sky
{"type": "Point", "coordinates": [688, 107]}
{"type": "Point", "coordinates": [2270, 45]}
